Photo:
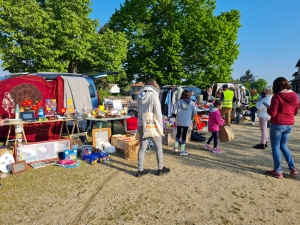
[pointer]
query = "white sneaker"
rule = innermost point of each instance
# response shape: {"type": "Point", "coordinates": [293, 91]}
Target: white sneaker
{"type": "Point", "coordinates": [184, 153]}
{"type": "Point", "coordinates": [252, 123]}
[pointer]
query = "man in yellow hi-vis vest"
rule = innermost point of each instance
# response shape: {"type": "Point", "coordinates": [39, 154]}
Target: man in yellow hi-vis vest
{"type": "Point", "coordinates": [227, 98]}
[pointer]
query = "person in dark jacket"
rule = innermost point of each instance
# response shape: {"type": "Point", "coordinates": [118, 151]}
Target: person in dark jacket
{"type": "Point", "coordinates": [283, 109]}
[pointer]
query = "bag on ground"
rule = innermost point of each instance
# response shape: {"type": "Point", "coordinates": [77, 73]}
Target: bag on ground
{"type": "Point", "coordinates": [131, 149]}
{"type": "Point", "coordinates": [226, 134]}
{"type": "Point", "coordinates": [195, 136]}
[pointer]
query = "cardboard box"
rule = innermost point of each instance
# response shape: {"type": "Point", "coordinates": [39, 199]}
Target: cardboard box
{"type": "Point", "coordinates": [169, 139]}
{"type": "Point", "coordinates": [122, 143]}
{"type": "Point", "coordinates": [3, 150]}
{"type": "Point", "coordinates": [115, 139]}
{"type": "Point", "coordinates": [168, 131]}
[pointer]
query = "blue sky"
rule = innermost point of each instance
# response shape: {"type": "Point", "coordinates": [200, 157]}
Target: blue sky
{"type": "Point", "coordinates": [269, 37]}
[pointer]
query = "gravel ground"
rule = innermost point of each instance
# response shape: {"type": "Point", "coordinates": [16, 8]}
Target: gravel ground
{"type": "Point", "coordinates": [202, 188]}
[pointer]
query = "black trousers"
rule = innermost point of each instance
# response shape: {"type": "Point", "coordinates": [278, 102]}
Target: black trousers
{"type": "Point", "coordinates": [181, 132]}
{"type": "Point", "coordinates": [214, 135]}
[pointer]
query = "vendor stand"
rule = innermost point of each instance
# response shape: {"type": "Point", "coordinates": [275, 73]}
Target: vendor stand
{"type": "Point", "coordinates": [112, 120]}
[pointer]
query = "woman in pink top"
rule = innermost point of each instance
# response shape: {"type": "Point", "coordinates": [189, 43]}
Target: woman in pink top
{"type": "Point", "coordinates": [214, 123]}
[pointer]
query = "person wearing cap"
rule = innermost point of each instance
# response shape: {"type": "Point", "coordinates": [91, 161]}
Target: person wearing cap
{"type": "Point", "coordinates": [227, 98]}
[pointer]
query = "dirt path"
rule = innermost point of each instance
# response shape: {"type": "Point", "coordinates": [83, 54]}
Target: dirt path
{"type": "Point", "coordinates": [202, 188]}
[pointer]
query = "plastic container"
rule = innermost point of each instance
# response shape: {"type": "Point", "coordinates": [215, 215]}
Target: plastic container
{"type": "Point", "coordinates": [68, 154]}
{"type": "Point", "coordinates": [110, 149]}
{"type": "Point", "coordinates": [84, 150]}
{"type": "Point", "coordinates": [17, 112]}
{"type": "Point", "coordinates": [41, 113]}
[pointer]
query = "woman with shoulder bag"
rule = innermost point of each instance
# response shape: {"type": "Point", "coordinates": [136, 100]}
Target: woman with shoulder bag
{"type": "Point", "coordinates": [148, 99]}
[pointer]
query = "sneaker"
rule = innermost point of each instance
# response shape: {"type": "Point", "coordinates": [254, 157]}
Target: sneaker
{"type": "Point", "coordinates": [163, 171]}
{"type": "Point", "coordinates": [183, 153]}
{"type": "Point", "coordinates": [273, 173]}
{"type": "Point", "coordinates": [208, 147]}
{"type": "Point", "coordinates": [266, 145]}
{"type": "Point", "coordinates": [141, 173]}
{"type": "Point", "coordinates": [259, 146]}
{"type": "Point", "coordinates": [294, 172]}
{"type": "Point", "coordinates": [175, 150]}
{"type": "Point", "coordinates": [216, 150]}
{"type": "Point", "coordinates": [252, 123]}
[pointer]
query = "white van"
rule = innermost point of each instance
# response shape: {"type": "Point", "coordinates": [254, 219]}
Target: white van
{"type": "Point", "coordinates": [217, 86]}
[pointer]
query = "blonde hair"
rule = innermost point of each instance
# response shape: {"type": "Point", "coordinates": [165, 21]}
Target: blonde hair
{"type": "Point", "coordinates": [269, 89]}
{"type": "Point", "coordinates": [153, 83]}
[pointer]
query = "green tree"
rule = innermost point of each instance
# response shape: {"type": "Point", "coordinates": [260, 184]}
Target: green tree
{"type": "Point", "coordinates": [260, 84]}
{"type": "Point", "coordinates": [248, 85]}
{"type": "Point", "coordinates": [177, 42]}
{"type": "Point", "coordinates": [247, 77]}
{"type": "Point", "coordinates": [234, 81]}
{"type": "Point", "coordinates": [56, 35]}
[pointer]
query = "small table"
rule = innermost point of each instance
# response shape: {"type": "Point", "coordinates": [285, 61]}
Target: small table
{"type": "Point", "coordinates": [205, 111]}
{"type": "Point", "coordinates": [22, 123]}
{"type": "Point", "coordinates": [112, 120]}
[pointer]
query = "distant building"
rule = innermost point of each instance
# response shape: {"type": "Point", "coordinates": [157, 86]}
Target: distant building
{"type": "Point", "coordinates": [113, 88]}
{"type": "Point", "coordinates": [135, 89]}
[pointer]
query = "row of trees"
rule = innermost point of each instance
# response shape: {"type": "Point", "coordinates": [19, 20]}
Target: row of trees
{"type": "Point", "coordinates": [57, 35]}
{"type": "Point", "coordinates": [174, 42]}
{"type": "Point", "coordinates": [249, 81]}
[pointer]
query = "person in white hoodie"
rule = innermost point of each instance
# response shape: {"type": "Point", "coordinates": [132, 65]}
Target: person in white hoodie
{"type": "Point", "coordinates": [149, 95]}
{"type": "Point", "coordinates": [263, 118]}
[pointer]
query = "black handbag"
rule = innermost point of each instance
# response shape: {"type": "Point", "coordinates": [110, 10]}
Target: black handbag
{"type": "Point", "coordinates": [195, 136]}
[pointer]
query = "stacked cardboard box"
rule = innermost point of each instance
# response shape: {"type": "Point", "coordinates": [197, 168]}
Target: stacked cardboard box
{"type": "Point", "coordinates": [119, 141]}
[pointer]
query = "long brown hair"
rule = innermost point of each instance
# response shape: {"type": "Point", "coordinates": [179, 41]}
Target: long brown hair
{"type": "Point", "coordinates": [153, 83]}
{"type": "Point", "coordinates": [279, 84]}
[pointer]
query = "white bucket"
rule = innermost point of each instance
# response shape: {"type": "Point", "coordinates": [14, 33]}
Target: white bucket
{"type": "Point", "coordinates": [110, 149]}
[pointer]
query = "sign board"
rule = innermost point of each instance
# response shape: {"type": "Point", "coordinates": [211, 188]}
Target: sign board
{"type": "Point", "coordinates": [100, 135]}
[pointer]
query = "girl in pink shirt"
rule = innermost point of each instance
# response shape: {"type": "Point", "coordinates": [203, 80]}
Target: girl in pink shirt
{"type": "Point", "coordinates": [214, 123]}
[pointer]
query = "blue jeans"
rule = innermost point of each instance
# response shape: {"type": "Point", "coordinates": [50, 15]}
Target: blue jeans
{"type": "Point", "coordinates": [253, 111]}
{"type": "Point", "coordinates": [279, 135]}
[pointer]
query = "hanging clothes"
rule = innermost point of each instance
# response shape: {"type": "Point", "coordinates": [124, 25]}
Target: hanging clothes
{"type": "Point", "coordinates": [164, 107]}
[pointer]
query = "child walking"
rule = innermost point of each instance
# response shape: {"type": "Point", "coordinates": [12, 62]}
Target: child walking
{"type": "Point", "coordinates": [184, 111]}
{"type": "Point", "coordinates": [214, 123]}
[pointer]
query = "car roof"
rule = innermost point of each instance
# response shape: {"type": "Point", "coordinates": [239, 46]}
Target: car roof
{"type": "Point", "coordinates": [52, 75]}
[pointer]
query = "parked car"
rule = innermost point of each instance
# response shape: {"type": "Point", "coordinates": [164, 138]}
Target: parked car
{"type": "Point", "coordinates": [217, 86]}
{"type": "Point", "coordinates": [53, 75]}
{"type": "Point", "coordinates": [195, 89]}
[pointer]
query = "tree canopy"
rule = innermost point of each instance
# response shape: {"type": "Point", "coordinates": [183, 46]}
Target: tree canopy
{"type": "Point", "coordinates": [178, 42]}
{"type": "Point", "coordinates": [57, 35]}
{"type": "Point", "coordinates": [260, 84]}
{"type": "Point", "coordinates": [247, 77]}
